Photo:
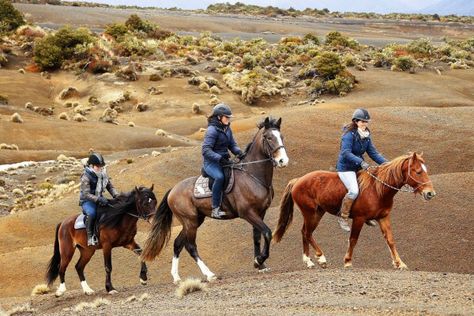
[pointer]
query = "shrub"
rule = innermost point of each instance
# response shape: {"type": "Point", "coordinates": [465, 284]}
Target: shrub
{"type": "Point", "coordinates": [337, 39]}
{"type": "Point", "coordinates": [310, 38]}
{"type": "Point", "coordinates": [328, 65]}
{"type": "Point", "coordinates": [116, 30]}
{"type": "Point", "coordinates": [421, 47]}
{"type": "Point", "coordinates": [16, 118]}
{"type": "Point", "coordinates": [3, 99]}
{"type": "Point", "coordinates": [249, 61]}
{"type": "Point", "coordinates": [10, 18]}
{"type": "Point", "coordinates": [382, 60]}
{"type": "Point", "coordinates": [404, 63]}
{"type": "Point", "coordinates": [51, 51]}
{"type": "Point", "coordinates": [135, 23]}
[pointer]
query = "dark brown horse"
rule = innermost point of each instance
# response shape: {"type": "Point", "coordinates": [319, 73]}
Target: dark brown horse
{"type": "Point", "coordinates": [319, 192]}
{"type": "Point", "coordinates": [251, 196]}
{"type": "Point", "coordinates": [118, 227]}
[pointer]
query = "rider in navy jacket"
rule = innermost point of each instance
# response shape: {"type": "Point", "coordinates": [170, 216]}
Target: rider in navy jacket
{"type": "Point", "coordinates": [355, 141]}
{"type": "Point", "coordinates": [215, 150]}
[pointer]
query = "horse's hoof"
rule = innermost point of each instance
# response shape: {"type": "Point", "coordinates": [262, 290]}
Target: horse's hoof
{"type": "Point", "coordinates": [402, 267]}
{"type": "Point", "coordinates": [211, 278]}
{"type": "Point", "coordinates": [264, 270]}
{"type": "Point", "coordinates": [348, 265]}
{"type": "Point", "coordinates": [310, 264]}
{"type": "Point", "coordinates": [322, 261]}
{"type": "Point", "coordinates": [89, 292]}
{"type": "Point", "coordinates": [113, 292]}
{"type": "Point", "coordinates": [323, 265]}
{"type": "Point", "coordinates": [59, 293]}
{"type": "Point", "coordinates": [143, 282]}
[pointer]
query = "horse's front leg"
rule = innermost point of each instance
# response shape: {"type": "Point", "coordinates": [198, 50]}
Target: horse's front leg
{"type": "Point", "coordinates": [107, 249]}
{"type": "Point", "coordinates": [259, 229]}
{"type": "Point", "coordinates": [357, 224]}
{"type": "Point", "coordinates": [386, 229]}
{"type": "Point", "coordinates": [133, 246]}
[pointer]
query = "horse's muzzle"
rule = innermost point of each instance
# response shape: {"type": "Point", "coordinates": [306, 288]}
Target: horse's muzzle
{"type": "Point", "coordinates": [428, 195]}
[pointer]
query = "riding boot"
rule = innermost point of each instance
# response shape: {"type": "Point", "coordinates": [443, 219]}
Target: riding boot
{"type": "Point", "coordinates": [91, 237]}
{"type": "Point", "coordinates": [218, 213]}
{"type": "Point", "coordinates": [344, 213]}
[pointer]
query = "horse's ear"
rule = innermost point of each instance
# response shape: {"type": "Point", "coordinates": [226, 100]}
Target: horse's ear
{"type": "Point", "coordinates": [152, 186]}
{"type": "Point", "coordinates": [267, 122]}
{"type": "Point", "coordinates": [136, 189]}
{"type": "Point", "coordinates": [413, 156]}
{"type": "Point", "coordinates": [278, 123]}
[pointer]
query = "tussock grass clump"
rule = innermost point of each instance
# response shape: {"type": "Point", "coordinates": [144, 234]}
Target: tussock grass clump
{"type": "Point", "coordinates": [109, 116]}
{"type": "Point", "coordinates": [189, 286]}
{"type": "Point", "coordinates": [404, 63]}
{"type": "Point", "coordinates": [21, 310]}
{"type": "Point", "coordinates": [16, 118]}
{"type": "Point", "coordinates": [142, 107]}
{"type": "Point", "coordinates": [40, 289]}
{"type": "Point", "coordinates": [64, 116]}
{"type": "Point", "coordinates": [91, 305]}
{"type": "Point", "coordinates": [3, 99]}
{"type": "Point", "coordinates": [79, 118]}
{"type": "Point", "coordinates": [196, 108]}
{"type": "Point", "coordinates": [9, 147]}
{"type": "Point", "coordinates": [336, 39]}
{"type": "Point", "coordinates": [10, 17]}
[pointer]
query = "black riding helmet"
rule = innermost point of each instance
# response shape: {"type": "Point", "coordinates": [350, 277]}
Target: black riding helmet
{"type": "Point", "coordinates": [361, 115]}
{"type": "Point", "coordinates": [222, 110]}
{"type": "Point", "coordinates": [96, 159]}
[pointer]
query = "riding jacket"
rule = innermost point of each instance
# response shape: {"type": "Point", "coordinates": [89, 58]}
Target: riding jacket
{"type": "Point", "coordinates": [352, 149]}
{"type": "Point", "coordinates": [217, 141]}
{"type": "Point", "coordinates": [89, 182]}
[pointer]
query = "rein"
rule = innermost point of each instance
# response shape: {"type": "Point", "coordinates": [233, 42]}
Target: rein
{"type": "Point", "coordinates": [404, 188]}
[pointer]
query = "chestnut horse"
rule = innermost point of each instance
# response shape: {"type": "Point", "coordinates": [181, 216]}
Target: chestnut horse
{"type": "Point", "coordinates": [319, 192]}
{"type": "Point", "coordinates": [118, 226]}
{"type": "Point", "coordinates": [249, 199]}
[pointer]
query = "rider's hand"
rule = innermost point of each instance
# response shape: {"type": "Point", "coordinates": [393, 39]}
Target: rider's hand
{"type": "Point", "coordinates": [240, 156]}
{"type": "Point", "coordinates": [224, 161]}
{"type": "Point", "coordinates": [364, 165]}
{"type": "Point", "coordinates": [102, 201]}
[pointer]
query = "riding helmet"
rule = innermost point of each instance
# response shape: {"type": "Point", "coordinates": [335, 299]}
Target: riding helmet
{"type": "Point", "coordinates": [96, 159]}
{"type": "Point", "coordinates": [222, 109]}
{"type": "Point", "coordinates": [361, 115]}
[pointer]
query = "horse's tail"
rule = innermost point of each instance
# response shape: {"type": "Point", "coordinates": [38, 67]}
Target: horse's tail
{"type": "Point", "coordinates": [53, 266]}
{"type": "Point", "coordinates": [286, 212]}
{"type": "Point", "coordinates": [160, 231]}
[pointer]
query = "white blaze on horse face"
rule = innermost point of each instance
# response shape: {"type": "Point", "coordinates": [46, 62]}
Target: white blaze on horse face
{"type": "Point", "coordinates": [281, 157]}
{"type": "Point", "coordinates": [424, 167]}
{"type": "Point", "coordinates": [174, 270]}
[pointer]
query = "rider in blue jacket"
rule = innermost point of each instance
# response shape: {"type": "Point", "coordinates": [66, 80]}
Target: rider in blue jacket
{"type": "Point", "coordinates": [356, 140]}
{"type": "Point", "coordinates": [94, 181]}
{"type": "Point", "coordinates": [215, 150]}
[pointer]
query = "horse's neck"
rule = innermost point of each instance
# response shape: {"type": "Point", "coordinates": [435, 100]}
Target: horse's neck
{"type": "Point", "coordinates": [128, 220]}
{"type": "Point", "coordinates": [263, 171]}
{"type": "Point", "coordinates": [387, 191]}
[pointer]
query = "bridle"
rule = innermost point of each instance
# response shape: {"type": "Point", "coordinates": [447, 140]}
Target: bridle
{"type": "Point", "coordinates": [406, 187]}
{"type": "Point", "coordinates": [141, 213]}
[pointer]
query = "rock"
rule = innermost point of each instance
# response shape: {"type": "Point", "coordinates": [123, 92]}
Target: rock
{"type": "Point", "coordinates": [156, 77]}
{"type": "Point", "coordinates": [160, 132]}
{"type": "Point", "coordinates": [154, 91]}
{"type": "Point", "coordinates": [155, 153]}
{"type": "Point", "coordinates": [131, 124]}
{"type": "Point", "coordinates": [16, 118]}
{"type": "Point", "coordinates": [69, 93]}
{"type": "Point", "coordinates": [29, 106]}
{"type": "Point", "coordinates": [109, 116]}
{"type": "Point", "coordinates": [21, 70]}
{"type": "Point", "coordinates": [141, 107]}
{"type": "Point", "coordinates": [128, 73]}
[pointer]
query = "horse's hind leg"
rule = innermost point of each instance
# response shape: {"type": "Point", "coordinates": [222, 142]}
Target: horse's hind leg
{"type": "Point", "coordinates": [178, 247]}
{"type": "Point", "coordinates": [86, 255]}
{"type": "Point", "coordinates": [67, 252]}
{"type": "Point", "coordinates": [311, 221]}
{"type": "Point", "coordinates": [191, 247]}
{"type": "Point", "coordinates": [357, 224]}
{"type": "Point", "coordinates": [107, 250]}
{"type": "Point", "coordinates": [133, 246]}
{"type": "Point", "coordinates": [257, 236]}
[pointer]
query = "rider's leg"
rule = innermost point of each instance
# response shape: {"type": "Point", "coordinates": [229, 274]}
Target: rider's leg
{"type": "Point", "coordinates": [90, 209]}
{"type": "Point", "coordinates": [214, 170]}
{"type": "Point", "coordinates": [349, 178]}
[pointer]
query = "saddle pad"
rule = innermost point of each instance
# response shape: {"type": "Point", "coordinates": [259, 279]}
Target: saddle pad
{"type": "Point", "coordinates": [79, 223]}
{"type": "Point", "coordinates": [202, 190]}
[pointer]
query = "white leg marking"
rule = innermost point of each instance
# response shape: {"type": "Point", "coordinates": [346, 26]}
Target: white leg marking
{"type": "Point", "coordinates": [174, 270]}
{"type": "Point", "coordinates": [308, 261]}
{"type": "Point", "coordinates": [321, 260]}
{"type": "Point", "coordinates": [85, 287]}
{"type": "Point", "coordinates": [61, 290]}
{"type": "Point", "coordinates": [142, 282]}
{"type": "Point", "coordinates": [205, 270]}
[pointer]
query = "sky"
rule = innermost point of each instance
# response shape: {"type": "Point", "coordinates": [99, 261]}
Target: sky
{"type": "Point", "coordinates": [379, 6]}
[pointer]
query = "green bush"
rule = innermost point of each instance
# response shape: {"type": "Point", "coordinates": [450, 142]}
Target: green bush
{"type": "Point", "coordinates": [310, 38]}
{"type": "Point", "coordinates": [404, 63]}
{"type": "Point", "coordinates": [328, 65]}
{"type": "Point", "coordinates": [10, 18]}
{"type": "Point", "coordinates": [51, 51]}
{"type": "Point", "coordinates": [421, 47]}
{"type": "Point", "coordinates": [337, 39]}
{"type": "Point", "coordinates": [339, 84]}
{"type": "Point", "coordinates": [249, 61]}
{"type": "Point", "coordinates": [116, 30]}
{"type": "Point", "coordinates": [135, 23]}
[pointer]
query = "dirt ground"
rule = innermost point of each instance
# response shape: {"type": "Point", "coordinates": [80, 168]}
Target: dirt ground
{"type": "Point", "coordinates": [423, 112]}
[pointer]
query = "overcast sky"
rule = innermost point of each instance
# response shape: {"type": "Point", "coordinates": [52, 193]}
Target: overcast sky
{"type": "Point", "coordinates": [381, 6]}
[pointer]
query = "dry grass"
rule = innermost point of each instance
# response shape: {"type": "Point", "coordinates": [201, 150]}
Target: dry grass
{"type": "Point", "coordinates": [16, 118]}
{"type": "Point", "coordinates": [22, 309]}
{"type": "Point", "coordinates": [40, 289]}
{"type": "Point", "coordinates": [91, 305]}
{"type": "Point", "coordinates": [189, 286]}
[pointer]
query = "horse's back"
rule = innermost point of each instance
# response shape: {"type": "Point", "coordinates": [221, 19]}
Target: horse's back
{"type": "Point", "coordinates": [321, 187]}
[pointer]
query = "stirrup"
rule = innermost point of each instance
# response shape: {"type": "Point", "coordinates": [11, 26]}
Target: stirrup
{"type": "Point", "coordinates": [92, 241]}
{"type": "Point", "coordinates": [344, 224]}
{"type": "Point", "coordinates": [218, 213]}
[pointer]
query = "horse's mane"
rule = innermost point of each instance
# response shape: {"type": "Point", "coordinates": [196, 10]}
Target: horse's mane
{"type": "Point", "coordinates": [112, 214]}
{"type": "Point", "coordinates": [390, 172]}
